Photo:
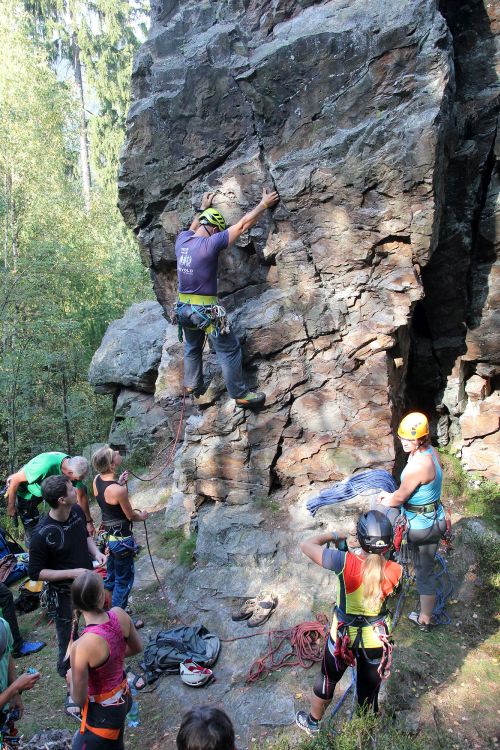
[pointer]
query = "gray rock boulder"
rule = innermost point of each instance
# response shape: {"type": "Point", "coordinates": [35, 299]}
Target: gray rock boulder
{"type": "Point", "coordinates": [138, 422]}
{"type": "Point", "coordinates": [130, 351]}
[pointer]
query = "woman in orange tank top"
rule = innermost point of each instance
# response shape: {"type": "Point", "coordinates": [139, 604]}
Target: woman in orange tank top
{"type": "Point", "coordinates": [360, 627]}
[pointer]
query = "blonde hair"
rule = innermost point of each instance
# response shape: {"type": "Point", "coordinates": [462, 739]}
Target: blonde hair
{"type": "Point", "coordinates": [373, 573]}
{"type": "Point", "coordinates": [102, 460]}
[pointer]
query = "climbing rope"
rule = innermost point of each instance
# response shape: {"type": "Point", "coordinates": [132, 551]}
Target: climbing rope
{"type": "Point", "coordinates": [172, 449]}
{"type": "Point", "coordinates": [340, 491]}
{"type": "Point", "coordinates": [352, 686]}
{"type": "Point", "coordinates": [305, 647]}
{"type": "Point", "coordinates": [148, 547]}
{"type": "Point", "coordinates": [443, 593]}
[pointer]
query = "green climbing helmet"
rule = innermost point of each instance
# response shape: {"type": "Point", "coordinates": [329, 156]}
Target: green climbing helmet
{"type": "Point", "coordinates": [213, 217]}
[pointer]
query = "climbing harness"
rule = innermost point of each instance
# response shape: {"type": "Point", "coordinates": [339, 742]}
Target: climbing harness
{"type": "Point", "coordinates": [345, 652]}
{"type": "Point", "coordinates": [113, 697]}
{"type": "Point", "coordinates": [420, 510]}
{"type": "Point", "coordinates": [209, 318]}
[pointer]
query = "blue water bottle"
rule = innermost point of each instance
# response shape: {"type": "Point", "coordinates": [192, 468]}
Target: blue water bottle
{"type": "Point", "coordinates": [133, 718]}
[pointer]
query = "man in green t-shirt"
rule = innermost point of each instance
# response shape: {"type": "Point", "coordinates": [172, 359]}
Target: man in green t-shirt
{"type": "Point", "coordinates": [25, 493]}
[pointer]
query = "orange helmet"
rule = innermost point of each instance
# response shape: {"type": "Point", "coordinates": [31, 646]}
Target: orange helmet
{"type": "Point", "coordinates": [413, 426]}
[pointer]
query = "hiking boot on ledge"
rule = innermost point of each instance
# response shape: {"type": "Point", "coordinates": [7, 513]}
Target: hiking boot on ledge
{"type": "Point", "coordinates": [252, 400]}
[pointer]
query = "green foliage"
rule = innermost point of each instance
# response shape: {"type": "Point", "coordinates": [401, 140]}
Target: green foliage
{"type": "Point", "coordinates": [175, 544]}
{"type": "Point", "coordinates": [483, 500]}
{"type": "Point", "coordinates": [101, 36]}
{"type": "Point", "coordinates": [67, 272]}
{"type": "Point", "coordinates": [481, 496]}
{"type": "Point", "coordinates": [455, 482]}
{"type": "Point", "coordinates": [486, 545]}
{"type": "Point", "coordinates": [187, 550]}
{"type": "Point", "coordinates": [363, 732]}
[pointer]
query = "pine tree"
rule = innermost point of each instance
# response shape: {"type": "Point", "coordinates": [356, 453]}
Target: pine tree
{"type": "Point", "coordinates": [67, 272]}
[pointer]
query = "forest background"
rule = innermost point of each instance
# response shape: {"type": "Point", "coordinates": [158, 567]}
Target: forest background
{"type": "Point", "coordinates": [70, 265]}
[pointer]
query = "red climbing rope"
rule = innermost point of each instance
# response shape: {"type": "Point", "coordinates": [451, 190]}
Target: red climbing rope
{"type": "Point", "coordinates": [305, 643]}
{"type": "Point", "coordinates": [172, 449]}
{"type": "Point", "coordinates": [306, 648]}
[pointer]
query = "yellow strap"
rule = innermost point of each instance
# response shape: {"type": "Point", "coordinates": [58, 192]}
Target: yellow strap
{"type": "Point", "coordinates": [198, 299]}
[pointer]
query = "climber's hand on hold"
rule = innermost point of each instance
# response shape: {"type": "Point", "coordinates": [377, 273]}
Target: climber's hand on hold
{"type": "Point", "coordinates": [206, 201]}
{"type": "Point", "coordinates": [269, 198]}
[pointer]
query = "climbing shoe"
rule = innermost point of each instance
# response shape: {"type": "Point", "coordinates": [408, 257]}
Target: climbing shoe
{"type": "Point", "coordinates": [252, 400]}
{"type": "Point", "coordinates": [306, 722]}
{"type": "Point", "coordinates": [424, 626]}
{"type": "Point", "coordinates": [262, 610]}
{"type": "Point", "coordinates": [245, 611]}
{"type": "Point", "coordinates": [28, 647]}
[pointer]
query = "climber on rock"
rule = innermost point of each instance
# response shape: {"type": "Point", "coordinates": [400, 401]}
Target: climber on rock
{"type": "Point", "coordinates": [198, 312]}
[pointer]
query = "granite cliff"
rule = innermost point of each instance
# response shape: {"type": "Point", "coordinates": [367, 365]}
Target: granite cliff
{"type": "Point", "coordinates": [373, 286]}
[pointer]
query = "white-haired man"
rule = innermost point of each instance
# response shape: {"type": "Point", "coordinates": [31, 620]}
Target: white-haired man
{"type": "Point", "coordinates": [25, 492]}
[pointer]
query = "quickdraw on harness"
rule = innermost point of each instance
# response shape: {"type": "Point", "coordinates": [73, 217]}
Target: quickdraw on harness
{"type": "Point", "coordinates": [210, 319]}
{"type": "Point", "coordinates": [110, 698]}
{"type": "Point", "coordinates": [345, 652]}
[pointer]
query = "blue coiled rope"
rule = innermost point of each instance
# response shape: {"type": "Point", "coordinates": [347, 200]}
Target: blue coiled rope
{"type": "Point", "coordinates": [375, 479]}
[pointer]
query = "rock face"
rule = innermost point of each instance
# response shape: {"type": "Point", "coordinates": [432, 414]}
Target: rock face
{"type": "Point", "coordinates": [130, 350]}
{"type": "Point", "coordinates": [126, 365]}
{"type": "Point", "coordinates": [455, 327]}
{"type": "Point", "coordinates": [370, 288]}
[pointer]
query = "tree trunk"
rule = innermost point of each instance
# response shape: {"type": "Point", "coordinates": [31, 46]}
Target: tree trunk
{"type": "Point", "coordinates": [67, 429]}
{"type": "Point", "coordinates": [84, 144]}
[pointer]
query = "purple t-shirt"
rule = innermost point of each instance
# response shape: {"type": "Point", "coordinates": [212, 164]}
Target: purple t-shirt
{"type": "Point", "coordinates": [197, 260]}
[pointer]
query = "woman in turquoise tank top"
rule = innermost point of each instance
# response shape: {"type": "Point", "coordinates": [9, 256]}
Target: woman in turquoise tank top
{"type": "Point", "coordinates": [419, 499]}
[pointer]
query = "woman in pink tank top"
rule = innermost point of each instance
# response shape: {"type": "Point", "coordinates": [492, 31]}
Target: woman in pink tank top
{"type": "Point", "coordinates": [97, 678]}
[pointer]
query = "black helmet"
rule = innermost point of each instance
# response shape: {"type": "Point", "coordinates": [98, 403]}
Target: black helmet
{"type": "Point", "coordinates": [374, 532]}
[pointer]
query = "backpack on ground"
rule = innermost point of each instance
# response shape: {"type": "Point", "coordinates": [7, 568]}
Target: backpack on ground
{"type": "Point", "coordinates": [165, 652]}
{"type": "Point", "coordinates": [29, 596]}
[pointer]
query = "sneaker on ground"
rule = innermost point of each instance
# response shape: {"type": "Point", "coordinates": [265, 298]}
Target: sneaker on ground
{"type": "Point", "coordinates": [28, 647]}
{"type": "Point", "coordinates": [262, 610]}
{"type": "Point", "coordinates": [245, 611]}
{"type": "Point", "coordinates": [252, 399]}
{"type": "Point", "coordinates": [304, 721]}
{"type": "Point", "coordinates": [414, 618]}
